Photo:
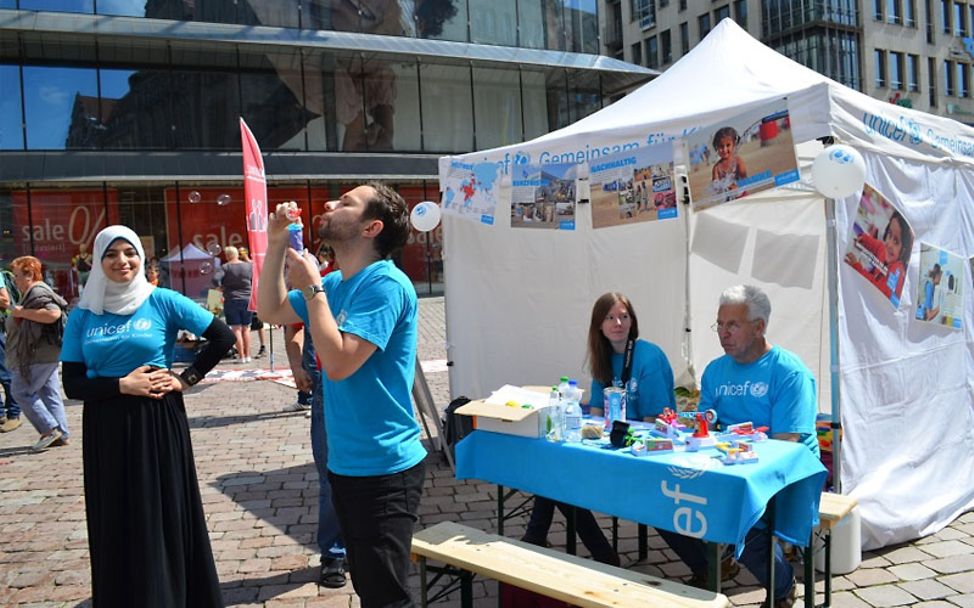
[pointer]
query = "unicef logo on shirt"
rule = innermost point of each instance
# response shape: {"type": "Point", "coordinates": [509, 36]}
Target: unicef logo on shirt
{"type": "Point", "coordinates": [142, 324]}
{"type": "Point", "coordinates": [759, 389]}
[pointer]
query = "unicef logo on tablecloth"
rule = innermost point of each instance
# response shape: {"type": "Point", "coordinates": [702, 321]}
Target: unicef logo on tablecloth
{"type": "Point", "coordinates": [142, 324]}
{"type": "Point", "coordinates": [759, 389]}
{"type": "Point", "coordinates": [691, 466]}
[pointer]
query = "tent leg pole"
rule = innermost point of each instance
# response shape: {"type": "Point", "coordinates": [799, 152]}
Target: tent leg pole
{"type": "Point", "coordinates": [833, 291]}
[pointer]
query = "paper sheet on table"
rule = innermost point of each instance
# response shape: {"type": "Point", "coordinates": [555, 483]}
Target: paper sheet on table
{"type": "Point", "coordinates": [509, 392]}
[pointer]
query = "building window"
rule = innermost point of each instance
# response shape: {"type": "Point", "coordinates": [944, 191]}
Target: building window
{"type": "Point", "coordinates": [928, 13]}
{"type": "Point", "coordinates": [880, 65]}
{"type": "Point", "coordinates": [932, 81]}
{"type": "Point", "coordinates": [683, 5]}
{"type": "Point", "coordinates": [722, 13]}
{"type": "Point", "coordinates": [963, 90]}
{"type": "Point", "coordinates": [909, 13]}
{"type": "Point", "coordinates": [703, 24]}
{"type": "Point", "coordinates": [740, 13]}
{"type": "Point", "coordinates": [637, 53]}
{"type": "Point", "coordinates": [949, 78]}
{"type": "Point", "coordinates": [912, 73]}
{"type": "Point", "coordinates": [894, 11]}
{"type": "Point", "coordinates": [878, 10]}
{"type": "Point", "coordinates": [945, 9]}
{"type": "Point", "coordinates": [684, 38]}
{"type": "Point", "coordinates": [895, 70]}
{"type": "Point", "coordinates": [666, 46]}
{"type": "Point", "coordinates": [664, 3]}
{"type": "Point", "coordinates": [960, 19]}
{"type": "Point", "coordinates": [652, 52]}
{"type": "Point", "coordinates": [643, 11]}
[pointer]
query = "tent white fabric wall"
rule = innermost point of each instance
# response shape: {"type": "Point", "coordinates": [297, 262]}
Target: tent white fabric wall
{"type": "Point", "coordinates": [518, 301]}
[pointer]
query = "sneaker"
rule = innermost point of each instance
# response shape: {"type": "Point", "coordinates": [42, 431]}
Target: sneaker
{"type": "Point", "coordinates": [45, 441]}
{"type": "Point", "coordinates": [10, 424]}
{"type": "Point", "coordinates": [260, 352]}
{"type": "Point", "coordinates": [62, 441]}
{"type": "Point", "coordinates": [729, 569]}
{"type": "Point", "coordinates": [333, 573]}
{"type": "Point", "coordinates": [297, 406]}
{"type": "Point", "coordinates": [307, 413]}
{"type": "Point", "coordinates": [245, 360]}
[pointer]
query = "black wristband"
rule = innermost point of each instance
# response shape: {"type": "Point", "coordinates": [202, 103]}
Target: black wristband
{"type": "Point", "coordinates": [191, 376]}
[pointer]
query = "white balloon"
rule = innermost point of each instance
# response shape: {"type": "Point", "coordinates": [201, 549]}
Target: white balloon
{"type": "Point", "coordinates": [425, 216]}
{"type": "Point", "coordinates": [838, 171]}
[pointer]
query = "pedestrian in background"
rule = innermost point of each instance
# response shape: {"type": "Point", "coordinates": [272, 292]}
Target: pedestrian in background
{"type": "Point", "coordinates": [9, 410]}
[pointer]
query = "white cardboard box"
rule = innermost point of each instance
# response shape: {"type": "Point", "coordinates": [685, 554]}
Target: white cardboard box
{"type": "Point", "coordinates": [506, 419]}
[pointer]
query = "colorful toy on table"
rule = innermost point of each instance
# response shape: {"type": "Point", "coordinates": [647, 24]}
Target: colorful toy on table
{"type": "Point", "coordinates": [736, 452]}
{"type": "Point", "coordinates": [745, 430]}
{"type": "Point", "coordinates": [668, 430]}
{"type": "Point", "coordinates": [701, 437]}
{"type": "Point", "coordinates": [652, 445]}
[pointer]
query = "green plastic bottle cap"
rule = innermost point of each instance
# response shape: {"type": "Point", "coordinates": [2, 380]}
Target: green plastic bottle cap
{"type": "Point", "coordinates": [564, 379]}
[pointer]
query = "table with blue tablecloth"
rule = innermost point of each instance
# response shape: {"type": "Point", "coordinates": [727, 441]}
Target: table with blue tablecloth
{"type": "Point", "coordinates": [691, 493]}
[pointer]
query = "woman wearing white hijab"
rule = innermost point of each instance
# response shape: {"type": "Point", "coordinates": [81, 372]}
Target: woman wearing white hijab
{"type": "Point", "coordinates": [146, 530]}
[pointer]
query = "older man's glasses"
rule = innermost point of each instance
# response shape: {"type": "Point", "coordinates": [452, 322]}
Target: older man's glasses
{"type": "Point", "coordinates": [731, 327]}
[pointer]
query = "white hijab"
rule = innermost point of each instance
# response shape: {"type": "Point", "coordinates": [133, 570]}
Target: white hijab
{"type": "Point", "coordinates": [102, 294]}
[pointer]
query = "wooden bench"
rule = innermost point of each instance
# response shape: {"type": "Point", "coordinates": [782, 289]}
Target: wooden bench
{"type": "Point", "coordinates": [832, 509]}
{"type": "Point", "coordinates": [580, 582]}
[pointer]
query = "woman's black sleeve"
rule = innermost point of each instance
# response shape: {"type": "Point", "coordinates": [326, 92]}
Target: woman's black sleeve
{"type": "Point", "coordinates": [219, 340]}
{"type": "Point", "coordinates": [77, 384]}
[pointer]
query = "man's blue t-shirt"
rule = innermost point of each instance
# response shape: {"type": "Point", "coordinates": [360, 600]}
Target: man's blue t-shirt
{"type": "Point", "coordinates": [776, 391]}
{"type": "Point", "coordinates": [650, 386]}
{"type": "Point", "coordinates": [369, 415]}
{"type": "Point", "coordinates": [113, 345]}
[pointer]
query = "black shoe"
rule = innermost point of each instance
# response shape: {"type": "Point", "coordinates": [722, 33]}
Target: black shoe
{"type": "Point", "coordinates": [260, 352]}
{"type": "Point", "coordinates": [333, 573]}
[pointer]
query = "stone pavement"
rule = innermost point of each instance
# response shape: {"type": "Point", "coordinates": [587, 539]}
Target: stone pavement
{"type": "Point", "coordinates": [259, 492]}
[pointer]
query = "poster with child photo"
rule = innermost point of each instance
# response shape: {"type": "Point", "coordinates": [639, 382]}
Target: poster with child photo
{"type": "Point", "coordinates": [939, 294]}
{"type": "Point", "coordinates": [881, 244]}
{"type": "Point", "coordinates": [744, 154]}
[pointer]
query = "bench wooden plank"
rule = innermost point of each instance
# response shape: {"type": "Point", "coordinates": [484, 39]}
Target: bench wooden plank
{"type": "Point", "coordinates": [833, 508]}
{"type": "Point", "coordinates": [581, 582]}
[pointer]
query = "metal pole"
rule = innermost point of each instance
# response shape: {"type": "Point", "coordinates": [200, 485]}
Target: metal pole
{"type": "Point", "coordinates": [270, 342]}
{"type": "Point", "coordinates": [833, 280]}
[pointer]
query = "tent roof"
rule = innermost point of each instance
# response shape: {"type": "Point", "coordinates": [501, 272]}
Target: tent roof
{"type": "Point", "coordinates": [189, 252]}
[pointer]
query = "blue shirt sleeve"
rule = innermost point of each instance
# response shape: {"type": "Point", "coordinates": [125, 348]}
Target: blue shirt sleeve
{"type": "Point", "coordinates": [375, 311]}
{"type": "Point", "coordinates": [71, 344]}
{"type": "Point", "coordinates": [299, 304]}
{"type": "Point", "coordinates": [188, 314]}
{"type": "Point", "coordinates": [794, 404]}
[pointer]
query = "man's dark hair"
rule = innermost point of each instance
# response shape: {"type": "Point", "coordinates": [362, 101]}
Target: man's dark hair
{"type": "Point", "coordinates": [389, 207]}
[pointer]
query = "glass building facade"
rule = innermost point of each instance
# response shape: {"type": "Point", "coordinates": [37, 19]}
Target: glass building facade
{"type": "Point", "coordinates": [127, 110]}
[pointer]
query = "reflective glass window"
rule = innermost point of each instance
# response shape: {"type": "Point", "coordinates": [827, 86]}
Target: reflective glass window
{"type": "Point", "coordinates": [586, 94]}
{"type": "Point", "coordinates": [559, 114]}
{"type": "Point", "coordinates": [272, 94]}
{"type": "Point", "coordinates": [8, 4]}
{"type": "Point", "coordinates": [143, 209]}
{"type": "Point", "coordinates": [63, 6]}
{"type": "Point", "coordinates": [584, 19]}
{"type": "Point", "coordinates": [531, 23]}
{"type": "Point", "coordinates": [205, 107]}
{"type": "Point", "coordinates": [377, 104]}
{"type": "Point", "coordinates": [913, 73]}
{"type": "Point", "coordinates": [319, 100]}
{"type": "Point", "coordinates": [62, 107]}
{"type": "Point", "coordinates": [493, 22]}
{"type": "Point", "coordinates": [385, 17]}
{"type": "Point", "coordinates": [535, 98]}
{"type": "Point", "coordinates": [447, 108]}
{"type": "Point", "coordinates": [13, 204]}
{"type": "Point", "coordinates": [497, 105]}
{"type": "Point", "coordinates": [11, 133]}
{"type": "Point", "coordinates": [440, 19]}
{"type": "Point", "coordinates": [132, 8]}
{"type": "Point", "coordinates": [136, 109]}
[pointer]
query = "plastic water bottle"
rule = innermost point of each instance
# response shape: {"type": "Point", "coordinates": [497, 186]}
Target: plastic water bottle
{"type": "Point", "coordinates": [573, 414]}
{"type": "Point", "coordinates": [563, 387]}
{"type": "Point", "coordinates": [555, 417]}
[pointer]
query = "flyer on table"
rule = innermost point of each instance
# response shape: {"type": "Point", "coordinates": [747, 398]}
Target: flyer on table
{"type": "Point", "coordinates": [939, 294]}
{"type": "Point", "coordinates": [543, 196]}
{"type": "Point", "coordinates": [633, 186]}
{"type": "Point", "coordinates": [741, 155]}
{"type": "Point", "coordinates": [880, 245]}
{"type": "Point", "coordinates": [471, 191]}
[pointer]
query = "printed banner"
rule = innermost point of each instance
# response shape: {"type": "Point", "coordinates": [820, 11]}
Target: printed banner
{"type": "Point", "coordinates": [471, 191]}
{"type": "Point", "coordinates": [742, 155]}
{"type": "Point", "coordinates": [881, 244]}
{"type": "Point", "coordinates": [635, 186]}
{"type": "Point", "coordinates": [543, 196]}
{"type": "Point", "coordinates": [939, 294]}
{"type": "Point", "coordinates": [255, 196]}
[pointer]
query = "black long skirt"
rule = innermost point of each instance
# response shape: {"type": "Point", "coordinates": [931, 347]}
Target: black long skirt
{"type": "Point", "coordinates": [146, 529]}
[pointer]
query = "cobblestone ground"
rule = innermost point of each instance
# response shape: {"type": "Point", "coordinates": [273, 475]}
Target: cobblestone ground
{"type": "Point", "coordinates": [259, 492]}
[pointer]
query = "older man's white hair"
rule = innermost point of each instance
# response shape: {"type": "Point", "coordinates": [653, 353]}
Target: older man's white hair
{"type": "Point", "coordinates": [231, 252]}
{"type": "Point", "coordinates": [757, 302]}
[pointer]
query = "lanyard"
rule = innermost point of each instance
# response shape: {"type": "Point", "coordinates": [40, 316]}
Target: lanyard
{"type": "Point", "coordinates": [627, 361]}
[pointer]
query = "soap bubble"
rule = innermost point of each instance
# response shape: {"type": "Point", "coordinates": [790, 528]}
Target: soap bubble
{"type": "Point", "coordinates": [206, 268]}
{"type": "Point", "coordinates": [214, 248]}
{"type": "Point", "coordinates": [223, 200]}
{"type": "Point", "coordinates": [194, 197]}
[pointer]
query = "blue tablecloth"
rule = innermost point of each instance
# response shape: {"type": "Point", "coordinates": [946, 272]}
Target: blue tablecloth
{"type": "Point", "coordinates": [687, 492]}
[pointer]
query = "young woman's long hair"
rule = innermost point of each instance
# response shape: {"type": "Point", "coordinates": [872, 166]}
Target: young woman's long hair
{"type": "Point", "coordinates": [599, 348]}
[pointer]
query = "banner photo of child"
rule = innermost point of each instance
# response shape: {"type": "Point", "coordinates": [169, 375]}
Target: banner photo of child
{"type": "Point", "coordinates": [939, 294]}
{"type": "Point", "coordinates": [881, 244]}
{"type": "Point", "coordinates": [544, 196]}
{"type": "Point", "coordinates": [744, 154]}
{"type": "Point", "coordinates": [633, 186]}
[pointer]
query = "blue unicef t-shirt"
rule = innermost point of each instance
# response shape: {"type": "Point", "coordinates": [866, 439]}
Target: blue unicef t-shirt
{"type": "Point", "coordinates": [113, 345]}
{"type": "Point", "coordinates": [650, 386]}
{"type": "Point", "coordinates": [369, 415]}
{"type": "Point", "coordinates": [776, 391]}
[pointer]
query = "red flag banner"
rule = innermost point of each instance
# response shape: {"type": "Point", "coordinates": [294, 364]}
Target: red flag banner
{"type": "Point", "coordinates": [255, 195]}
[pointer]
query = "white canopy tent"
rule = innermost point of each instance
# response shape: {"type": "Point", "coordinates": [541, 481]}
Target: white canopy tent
{"type": "Point", "coordinates": [518, 301]}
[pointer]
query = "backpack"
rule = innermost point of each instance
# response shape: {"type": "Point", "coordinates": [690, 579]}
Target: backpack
{"type": "Point", "coordinates": [54, 332]}
{"type": "Point", "coordinates": [456, 426]}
